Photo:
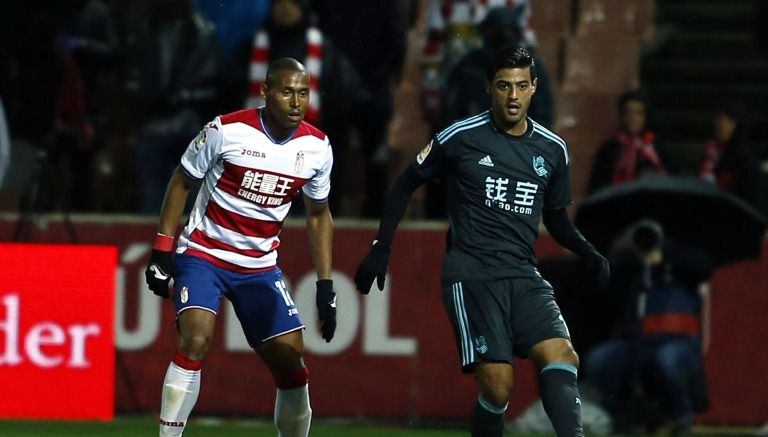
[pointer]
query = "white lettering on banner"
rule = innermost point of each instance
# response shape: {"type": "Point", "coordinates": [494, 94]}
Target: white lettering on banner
{"type": "Point", "coordinates": [11, 328]}
{"type": "Point", "coordinates": [375, 329]}
{"type": "Point", "coordinates": [43, 334]}
{"type": "Point", "coordinates": [376, 339]}
{"type": "Point", "coordinates": [347, 314]}
{"type": "Point", "coordinates": [234, 339]}
{"type": "Point", "coordinates": [149, 306]}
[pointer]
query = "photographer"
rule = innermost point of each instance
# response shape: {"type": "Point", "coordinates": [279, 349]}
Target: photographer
{"type": "Point", "coordinates": [655, 357]}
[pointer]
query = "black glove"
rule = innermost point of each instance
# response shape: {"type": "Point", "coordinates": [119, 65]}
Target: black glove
{"type": "Point", "coordinates": [600, 269]}
{"type": "Point", "coordinates": [158, 273]}
{"type": "Point", "coordinates": [374, 265]}
{"type": "Point", "coordinates": [326, 308]}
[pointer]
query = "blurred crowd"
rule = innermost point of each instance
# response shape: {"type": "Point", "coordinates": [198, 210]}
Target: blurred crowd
{"type": "Point", "coordinates": [98, 98]}
{"type": "Point", "coordinates": [101, 97]}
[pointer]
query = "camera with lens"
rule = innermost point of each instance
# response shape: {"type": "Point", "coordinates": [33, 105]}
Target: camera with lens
{"type": "Point", "coordinates": [647, 235]}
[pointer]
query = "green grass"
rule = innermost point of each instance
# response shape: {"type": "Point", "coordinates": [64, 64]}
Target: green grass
{"type": "Point", "coordinates": [146, 426]}
{"type": "Point", "coordinates": [201, 427]}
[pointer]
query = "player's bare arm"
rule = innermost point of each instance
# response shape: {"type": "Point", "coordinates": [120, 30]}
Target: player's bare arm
{"type": "Point", "coordinates": [175, 199]}
{"type": "Point", "coordinates": [320, 229]}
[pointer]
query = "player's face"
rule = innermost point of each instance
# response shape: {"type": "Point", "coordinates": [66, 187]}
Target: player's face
{"type": "Point", "coordinates": [286, 97]}
{"type": "Point", "coordinates": [511, 90]}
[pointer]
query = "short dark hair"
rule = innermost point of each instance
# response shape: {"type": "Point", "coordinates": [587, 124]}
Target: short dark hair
{"type": "Point", "coordinates": [282, 64]}
{"type": "Point", "coordinates": [635, 95]}
{"type": "Point", "coordinates": [511, 56]}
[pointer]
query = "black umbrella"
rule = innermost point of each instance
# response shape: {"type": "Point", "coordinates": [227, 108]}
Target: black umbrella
{"type": "Point", "coordinates": [691, 210]}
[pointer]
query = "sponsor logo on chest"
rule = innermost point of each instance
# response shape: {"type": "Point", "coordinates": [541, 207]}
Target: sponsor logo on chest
{"type": "Point", "coordinates": [264, 188]}
{"type": "Point", "coordinates": [251, 152]}
{"type": "Point", "coordinates": [509, 195]}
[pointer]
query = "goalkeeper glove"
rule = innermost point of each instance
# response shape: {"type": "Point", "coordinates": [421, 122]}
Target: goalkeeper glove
{"type": "Point", "coordinates": [326, 308]}
{"type": "Point", "coordinates": [599, 267]}
{"type": "Point", "coordinates": [374, 265]}
{"type": "Point", "coordinates": [158, 272]}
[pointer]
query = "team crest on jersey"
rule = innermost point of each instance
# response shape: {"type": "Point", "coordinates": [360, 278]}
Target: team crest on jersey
{"type": "Point", "coordinates": [200, 139]}
{"type": "Point", "coordinates": [184, 294]}
{"type": "Point", "coordinates": [538, 165]}
{"type": "Point", "coordinates": [424, 153]}
{"type": "Point", "coordinates": [298, 165]}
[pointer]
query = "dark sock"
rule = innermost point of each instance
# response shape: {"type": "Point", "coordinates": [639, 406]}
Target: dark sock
{"type": "Point", "coordinates": [560, 396]}
{"type": "Point", "coordinates": [487, 420]}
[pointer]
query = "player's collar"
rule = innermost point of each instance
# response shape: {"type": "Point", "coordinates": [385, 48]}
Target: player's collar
{"type": "Point", "coordinates": [269, 134]}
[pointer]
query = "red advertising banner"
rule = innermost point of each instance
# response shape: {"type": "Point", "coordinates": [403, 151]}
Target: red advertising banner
{"type": "Point", "coordinates": [57, 331]}
{"type": "Point", "coordinates": [393, 355]}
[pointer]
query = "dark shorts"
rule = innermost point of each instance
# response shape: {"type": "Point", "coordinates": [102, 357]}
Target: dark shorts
{"type": "Point", "coordinates": [262, 302]}
{"type": "Point", "coordinates": [494, 321]}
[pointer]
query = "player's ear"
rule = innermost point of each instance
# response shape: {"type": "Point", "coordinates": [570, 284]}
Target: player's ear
{"type": "Point", "coordinates": [264, 90]}
{"type": "Point", "coordinates": [487, 87]}
{"type": "Point", "coordinates": [534, 85]}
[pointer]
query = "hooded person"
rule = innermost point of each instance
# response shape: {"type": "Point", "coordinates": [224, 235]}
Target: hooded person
{"type": "Point", "coordinates": [290, 31]}
{"type": "Point", "coordinates": [464, 93]}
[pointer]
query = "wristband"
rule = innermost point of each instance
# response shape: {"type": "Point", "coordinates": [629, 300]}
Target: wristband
{"type": "Point", "coordinates": [163, 242]}
{"type": "Point", "coordinates": [324, 284]}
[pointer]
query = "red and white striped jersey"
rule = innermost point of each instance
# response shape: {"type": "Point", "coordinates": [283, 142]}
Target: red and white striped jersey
{"type": "Point", "coordinates": [248, 182]}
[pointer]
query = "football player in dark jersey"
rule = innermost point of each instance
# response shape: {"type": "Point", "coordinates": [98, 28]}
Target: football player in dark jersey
{"type": "Point", "coordinates": [502, 172]}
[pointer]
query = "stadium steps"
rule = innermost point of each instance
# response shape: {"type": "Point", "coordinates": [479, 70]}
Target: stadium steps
{"type": "Point", "coordinates": [707, 57]}
{"type": "Point", "coordinates": [722, 15]}
{"type": "Point", "coordinates": [690, 44]}
{"type": "Point", "coordinates": [688, 93]}
{"type": "Point", "coordinates": [749, 72]}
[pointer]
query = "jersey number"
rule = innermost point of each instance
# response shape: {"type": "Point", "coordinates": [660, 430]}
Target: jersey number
{"type": "Point", "coordinates": [284, 292]}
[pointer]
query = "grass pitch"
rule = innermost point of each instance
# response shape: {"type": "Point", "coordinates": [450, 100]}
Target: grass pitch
{"type": "Point", "coordinates": [142, 426]}
{"type": "Point", "coordinates": [147, 426]}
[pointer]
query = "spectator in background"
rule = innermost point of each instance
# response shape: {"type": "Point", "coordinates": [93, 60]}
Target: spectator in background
{"type": "Point", "coordinates": [5, 144]}
{"type": "Point", "coordinates": [452, 32]}
{"type": "Point", "coordinates": [337, 89]}
{"type": "Point", "coordinates": [42, 93]}
{"type": "Point", "coordinates": [171, 71]}
{"type": "Point", "coordinates": [236, 21]}
{"type": "Point", "coordinates": [87, 45]}
{"type": "Point", "coordinates": [727, 159]}
{"type": "Point", "coordinates": [630, 153]}
{"type": "Point", "coordinates": [372, 35]}
{"type": "Point", "coordinates": [760, 185]}
{"type": "Point", "coordinates": [655, 353]}
{"type": "Point", "coordinates": [464, 92]}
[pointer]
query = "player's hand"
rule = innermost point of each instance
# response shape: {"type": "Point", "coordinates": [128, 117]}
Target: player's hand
{"type": "Point", "coordinates": [600, 269]}
{"type": "Point", "coordinates": [326, 308]}
{"type": "Point", "coordinates": [158, 273]}
{"type": "Point", "coordinates": [374, 265]}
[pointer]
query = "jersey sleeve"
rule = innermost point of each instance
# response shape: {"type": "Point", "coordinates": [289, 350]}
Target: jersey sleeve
{"type": "Point", "coordinates": [319, 187]}
{"type": "Point", "coordinates": [203, 151]}
{"type": "Point", "coordinates": [558, 193]}
{"type": "Point", "coordinates": [429, 163]}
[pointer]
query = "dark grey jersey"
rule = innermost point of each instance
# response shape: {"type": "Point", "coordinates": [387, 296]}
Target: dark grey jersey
{"type": "Point", "coordinates": [496, 187]}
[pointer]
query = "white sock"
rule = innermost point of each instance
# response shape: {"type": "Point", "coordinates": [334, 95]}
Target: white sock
{"type": "Point", "coordinates": [292, 412]}
{"type": "Point", "coordinates": [180, 390]}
